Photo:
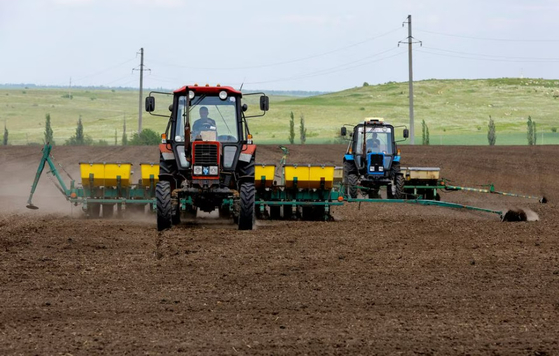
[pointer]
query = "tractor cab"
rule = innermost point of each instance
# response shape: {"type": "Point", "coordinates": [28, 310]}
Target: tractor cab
{"type": "Point", "coordinates": [373, 146]}
{"type": "Point", "coordinates": [205, 136]}
{"type": "Point", "coordinates": [206, 154]}
{"type": "Point", "coordinates": [372, 159]}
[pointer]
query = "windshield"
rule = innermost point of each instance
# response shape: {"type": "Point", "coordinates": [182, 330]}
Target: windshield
{"type": "Point", "coordinates": [211, 119]}
{"type": "Point", "coordinates": [377, 139]}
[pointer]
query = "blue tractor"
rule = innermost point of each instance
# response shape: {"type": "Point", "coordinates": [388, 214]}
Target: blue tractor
{"type": "Point", "coordinates": [372, 160]}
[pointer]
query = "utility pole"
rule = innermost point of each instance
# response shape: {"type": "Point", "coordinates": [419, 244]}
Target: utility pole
{"type": "Point", "coordinates": [141, 69]}
{"type": "Point", "coordinates": [70, 89]}
{"type": "Point", "coordinates": [410, 42]}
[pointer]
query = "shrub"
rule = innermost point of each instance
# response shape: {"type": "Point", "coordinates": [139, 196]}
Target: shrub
{"type": "Point", "coordinates": [146, 138]}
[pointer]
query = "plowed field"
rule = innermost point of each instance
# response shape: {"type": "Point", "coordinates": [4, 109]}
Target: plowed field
{"type": "Point", "coordinates": [380, 279]}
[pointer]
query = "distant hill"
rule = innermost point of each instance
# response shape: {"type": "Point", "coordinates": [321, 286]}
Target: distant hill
{"type": "Point", "coordinates": [455, 111]}
{"type": "Point", "coordinates": [295, 93]}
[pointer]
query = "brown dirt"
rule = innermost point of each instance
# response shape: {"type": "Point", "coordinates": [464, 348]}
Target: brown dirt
{"type": "Point", "coordinates": [381, 279]}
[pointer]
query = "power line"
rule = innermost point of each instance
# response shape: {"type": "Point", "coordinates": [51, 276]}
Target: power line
{"type": "Point", "coordinates": [284, 62]}
{"type": "Point", "coordinates": [327, 71]}
{"type": "Point", "coordinates": [103, 70]}
{"type": "Point", "coordinates": [488, 38]}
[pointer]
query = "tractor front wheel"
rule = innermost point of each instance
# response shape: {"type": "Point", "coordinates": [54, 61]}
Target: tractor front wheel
{"type": "Point", "coordinates": [246, 214]}
{"type": "Point", "coordinates": [164, 207]}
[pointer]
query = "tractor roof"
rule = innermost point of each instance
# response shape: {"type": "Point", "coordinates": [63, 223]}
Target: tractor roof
{"type": "Point", "coordinates": [208, 90]}
{"type": "Point", "coordinates": [374, 121]}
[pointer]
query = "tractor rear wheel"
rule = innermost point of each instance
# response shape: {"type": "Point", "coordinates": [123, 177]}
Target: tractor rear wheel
{"type": "Point", "coordinates": [396, 191]}
{"type": "Point", "coordinates": [352, 181]}
{"type": "Point", "coordinates": [246, 213]}
{"type": "Point", "coordinates": [164, 208]}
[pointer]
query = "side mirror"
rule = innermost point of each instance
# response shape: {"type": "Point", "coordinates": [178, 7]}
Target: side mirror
{"type": "Point", "coordinates": [264, 103]}
{"type": "Point", "coordinates": [343, 131]}
{"type": "Point", "coordinates": [244, 107]}
{"type": "Point", "coordinates": [406, 133]}
{"type": "Point", "coordinates": [150, 104]}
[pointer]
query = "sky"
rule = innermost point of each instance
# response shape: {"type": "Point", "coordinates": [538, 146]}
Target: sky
{"type": "Point", "coordinates": [308, 45]}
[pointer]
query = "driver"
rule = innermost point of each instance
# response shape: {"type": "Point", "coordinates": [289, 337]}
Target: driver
{"type": "Point", "coordinates": [373, 144]}
{"type": "Point", "coordinates": [204, 123]}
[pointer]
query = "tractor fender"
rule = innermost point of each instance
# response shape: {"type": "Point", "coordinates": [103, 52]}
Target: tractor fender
{"type": "Point", "coordinates": [246, 153]}
{"type": "Point", "coordinates": [166, 177]}
{"type": "Point", "coordinates": [348, 157]}
{"type": "Point", "coordinates": [396, 158]}
{"type": "Point", "coordinates": [245, 179]}
{"type": "Point", "coordinates": [166, 152]}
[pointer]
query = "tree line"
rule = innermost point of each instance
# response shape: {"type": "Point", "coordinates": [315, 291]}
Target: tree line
{"type": "Point", "coordinates": [145, 138]}
{"type": "Point", "coordinates": [492, 132]}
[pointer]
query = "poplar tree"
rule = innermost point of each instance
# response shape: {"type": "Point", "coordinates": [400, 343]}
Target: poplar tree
{"type": "Point", "coordinates": [491, 132]}
{"type": "Point", "coordinates": [292, 128]}
{"type": "Point", "coordinates": [49, 138]}
{"type": "Point", "coordinates": [5, 140]}
{"type": "Point", "coordinates": [303, 130]}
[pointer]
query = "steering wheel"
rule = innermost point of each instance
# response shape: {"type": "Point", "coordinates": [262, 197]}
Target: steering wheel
{"type": "Point", "coordinates": [226, 138]}
{"type": "Point", "coordinates": [206, 127]}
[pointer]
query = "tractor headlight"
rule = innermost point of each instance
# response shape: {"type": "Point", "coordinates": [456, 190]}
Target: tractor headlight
{"type": "Point", "coordinates": [372, 168]}
{"type": "Point", "coordinates": [380, 168]}
{"type": "Point", "coordinates": [223, 95]}
{"type": "Point", "coordinates": [190, 94]}
{"type": "Point", "coordinates": [213, 170]}
{"type": "Point", "coordinates": [197, 170]}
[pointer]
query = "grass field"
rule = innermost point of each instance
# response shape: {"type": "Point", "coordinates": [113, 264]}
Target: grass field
{"type": "Point", "coordinates": [456, 112]}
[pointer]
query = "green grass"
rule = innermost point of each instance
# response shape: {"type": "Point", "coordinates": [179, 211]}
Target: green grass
{"type": "Point", "coordinates": [456, 111]}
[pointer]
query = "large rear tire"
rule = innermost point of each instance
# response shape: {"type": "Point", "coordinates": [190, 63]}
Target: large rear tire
{"type": "Point", "coordinates": [350, 179]}
{"type": "Point", "coordinates": [164, 207]}
{"type": "Point", "coordinates": [246, 213]}
{"type": "Point", "coordinates": [396, 191]}
{"type": "Point", "coordinates": [352, 182]}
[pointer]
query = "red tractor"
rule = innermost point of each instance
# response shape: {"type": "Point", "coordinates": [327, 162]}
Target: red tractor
{"type": "Point", "coordinates": [206, 156]}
